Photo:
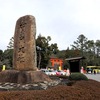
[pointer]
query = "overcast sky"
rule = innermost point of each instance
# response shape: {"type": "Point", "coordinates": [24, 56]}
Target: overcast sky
{"type": "Point", "coordinates": [63, 20]}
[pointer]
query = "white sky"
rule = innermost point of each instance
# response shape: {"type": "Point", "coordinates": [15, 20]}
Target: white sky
{"type": "Point", "coordinates": [63, 20]}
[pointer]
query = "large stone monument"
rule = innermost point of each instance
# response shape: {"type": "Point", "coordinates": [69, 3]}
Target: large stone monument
{"type": "Point", "coordinates": [24, 56]}
{"type": "Point", "coordinates": [24, 44]}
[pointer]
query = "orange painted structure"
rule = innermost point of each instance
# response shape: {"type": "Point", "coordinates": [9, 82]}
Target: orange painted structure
{"type": "Point", "coordinates": [56, 61]}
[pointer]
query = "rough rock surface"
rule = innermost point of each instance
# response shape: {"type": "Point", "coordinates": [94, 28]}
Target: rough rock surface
{"type": "Point", "coordinates": [24, 56]}
{"type": "Point", "coordinates": [35, 86]}
{"type": "Point", "coordinates": [23, 77]}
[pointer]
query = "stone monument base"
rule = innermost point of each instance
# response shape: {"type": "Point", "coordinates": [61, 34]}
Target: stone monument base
{"type": "Point", "coordinates": [23, 77]}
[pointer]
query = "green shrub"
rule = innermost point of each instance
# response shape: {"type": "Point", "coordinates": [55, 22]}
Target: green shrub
{"type": "Point", "coordinates": [77, 76]}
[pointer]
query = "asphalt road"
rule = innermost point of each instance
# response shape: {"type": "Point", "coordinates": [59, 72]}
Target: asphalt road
{"type": "Point", "coordinates": [94, 76]}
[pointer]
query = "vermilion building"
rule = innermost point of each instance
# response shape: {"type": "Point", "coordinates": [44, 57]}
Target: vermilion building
{"type": "Point", "coordinates": [56, 62]}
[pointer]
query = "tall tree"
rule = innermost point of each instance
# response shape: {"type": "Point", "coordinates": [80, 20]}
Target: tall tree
{"type": "Point", "coordinates": [11, 43]}
{"type": "Point", "coordinates": [80, 43]}
{"type": "Point", "coordinates": [90, 46]}
{"type": "Point", "coordinates": [1, 59]}
{"type": "Point", "coordinates": [8, 54]}
{"type": "Point", "coordinates": [1, 55]}
{"type": "Point", "coordinates": [8, 58]}
{"type": "Point", "coordinates": [98, 47]}
{"type": "Point", "coordinates": [44, 49]}
{"type": "Point", "coordinates": [54, 48]}
{"type": "Point", "coordinates": [79, 47]}
{"type": "Point", "coordinates": [90, 52]}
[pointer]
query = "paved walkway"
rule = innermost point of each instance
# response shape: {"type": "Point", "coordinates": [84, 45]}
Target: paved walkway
{"type": "Point", "coordinates": [94, 76]}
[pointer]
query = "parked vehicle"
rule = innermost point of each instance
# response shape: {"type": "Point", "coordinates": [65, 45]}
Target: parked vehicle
{"type": "Point", "coordinates": [93, 69]}
{"type": "Point", "coordinates": [89, 70]}
{"type": "Point", "coordinates": [58, 72]}
{"type": "Point", "coordinates": [61, 72]}
{"type": "Point", "coordinates": [43, 70]}
{"type": "Point", "coordinates": [54, 72]}
{"type": "Point", "coordinates": [96, 71]}
{"type": "Point", "coordinates": [49, 72]}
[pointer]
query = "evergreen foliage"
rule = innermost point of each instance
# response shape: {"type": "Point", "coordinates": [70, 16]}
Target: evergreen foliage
{"type": "Point", "coordinates": [77, 76]}
{"type": "Point", "coordinates": [90, 49]}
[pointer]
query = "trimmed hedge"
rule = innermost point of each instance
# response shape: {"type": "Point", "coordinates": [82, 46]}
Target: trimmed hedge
{"type": "Point", "coordinates": [77, 76]}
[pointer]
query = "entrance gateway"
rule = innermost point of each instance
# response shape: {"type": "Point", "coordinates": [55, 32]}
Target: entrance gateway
{"type": "Point", "coordinates": [75, 63]}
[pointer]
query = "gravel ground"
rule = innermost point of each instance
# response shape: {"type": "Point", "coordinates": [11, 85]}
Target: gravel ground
{"type": "Point", "coordinates": [80, 90]}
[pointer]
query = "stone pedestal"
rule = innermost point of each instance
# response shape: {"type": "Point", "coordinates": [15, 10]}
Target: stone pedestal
{"type": "Point", "coordinates": [23, 77]}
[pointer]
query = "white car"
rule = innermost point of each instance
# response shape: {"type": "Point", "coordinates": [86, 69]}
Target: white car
{"type": "Point", "coordinates": [51, 72]}
{"type": "Point", "coordinates": [48, 72]}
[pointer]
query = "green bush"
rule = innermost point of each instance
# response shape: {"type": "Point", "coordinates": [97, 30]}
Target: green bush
{"type": "Point", "coordinates": [77, 76]}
